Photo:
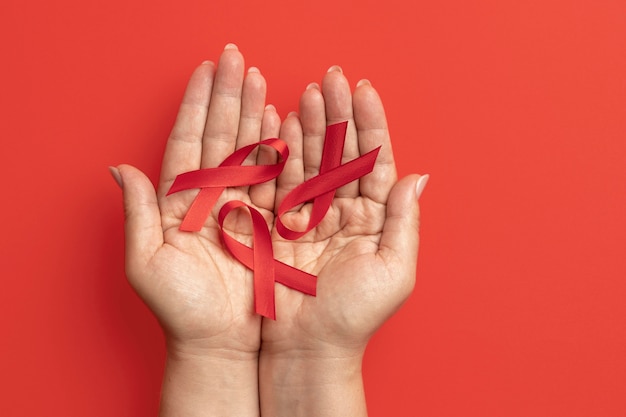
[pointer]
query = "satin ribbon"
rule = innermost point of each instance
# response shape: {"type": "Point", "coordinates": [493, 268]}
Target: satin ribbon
{"type": "Point", "coordinates": [260, 258]}
{"type": "Point", "coordinates": [230, 173]}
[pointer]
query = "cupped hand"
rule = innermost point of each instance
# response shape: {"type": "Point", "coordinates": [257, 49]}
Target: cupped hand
{"type": "Point", "coordinates": [364, 251]}
{"type": "Point", "coordinates": [201, 295]}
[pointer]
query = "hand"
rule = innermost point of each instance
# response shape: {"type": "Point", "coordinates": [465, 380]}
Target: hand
{"type": "Point", "coordinates": [364, 253]}
{"type": "Point", "coordinates": [202, 296]}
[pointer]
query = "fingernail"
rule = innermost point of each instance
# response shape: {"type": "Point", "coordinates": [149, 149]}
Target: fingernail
{"type": "Point", "coordinates": [206, 62]}
{"type": "Point", "coordinates": [231, 46]}
{"type": "Point", "coordinates": [313, 85]}
{"type": "Point", "coordinates": [335, 68]}
{"type": "Point", "coordinates": [253, 69]}
{"type": "Point", "coordinates": [292, 113]}
{"type": "Point", "coordinates": [421, 184]}
{"type": "Point", "coordinates": [363, 82]}
{"type": "Point", "coordinates": [270, 107]}
{"type": "Point", "coordinates": [116, 176]}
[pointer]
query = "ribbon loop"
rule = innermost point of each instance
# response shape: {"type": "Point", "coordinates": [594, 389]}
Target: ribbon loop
{"type": "Point", "coordinates": [230, 173]}
{"type": "Point", "coordinates": [321, 188]}
{"type": "Point", "coordinates": [260, 258]}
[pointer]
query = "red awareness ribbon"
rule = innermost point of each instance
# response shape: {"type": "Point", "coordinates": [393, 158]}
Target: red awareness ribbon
{"type": "Point", "coordinates": [321, 188]}
{"type": "Point", "coordinates": [230, 173]}
{"type": "Point", "coordinates": [260, 258]}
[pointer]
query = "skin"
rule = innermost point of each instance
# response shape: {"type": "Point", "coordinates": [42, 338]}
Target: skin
{"type": "Point", "coordinates": [364, 253]}
{"type": "Point", "coordinates": [222, 358]}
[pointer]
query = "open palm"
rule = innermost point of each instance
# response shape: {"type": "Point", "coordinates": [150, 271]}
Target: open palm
{"type": "Point", "coordinates": [364, 251]}
{"type": "Point", "coordinates": [200, 294]}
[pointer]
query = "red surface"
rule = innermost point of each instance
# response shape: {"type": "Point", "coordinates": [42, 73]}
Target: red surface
{"type": "Point", "coordinates": [517, 109]}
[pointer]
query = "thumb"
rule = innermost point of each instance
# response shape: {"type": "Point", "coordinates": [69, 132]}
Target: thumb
{"type": "Point", "coordinates": [400, 237]}
{"type": "Point", "coordinates": [144, 234]}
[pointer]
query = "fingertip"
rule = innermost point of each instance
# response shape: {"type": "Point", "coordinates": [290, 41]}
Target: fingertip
{"type": "Point", "coordinates": [334, 81]}
{"type": "Point", "coordinates": [337, 96]}
{"type": "Point", "coordinates": [334, 74]}
{"type": "Point", "coordinates": [141, 210]}
{"type": "Point", "coordinates": [420, 185]}
{"type": "Point", "coordinates": [206, 67]}
{"type": "Point", "coordinates": [365, 91]}
{"type": "Point", "coordinates": [270, 126]}
{"type": "Point", "coordinates": [115, 173]}
{"type": "Point", "coordinates": [125, 168]}
{"type": "Point", "coordinates": [403, 199]}
{"type": "Point", "coordinates": [401, 229]}
{"type": "Point", "coordinates": [314, 86]}
{"type": "Point", "coordinates": [255, 82]}
{"type": "Point", "coordinates": [232, 56]}
{"type": "Point", "coordinates": [135, 180]}
{"type": "Point", "coordinates": [312, 105]}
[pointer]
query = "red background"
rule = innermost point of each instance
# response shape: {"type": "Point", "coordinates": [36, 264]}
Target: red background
{"type": "Point", "coordinates": [517, 109]}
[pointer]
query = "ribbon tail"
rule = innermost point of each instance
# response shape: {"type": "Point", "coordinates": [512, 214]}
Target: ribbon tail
{"type": "Point", "coordinates": [200, 209]}
{"type": "Point", "coordinates": [260, 259]}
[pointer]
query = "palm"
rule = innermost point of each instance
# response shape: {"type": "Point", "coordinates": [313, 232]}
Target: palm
{"type": "Point", "coordinates": [201, 281]}
{"type": "Point", "coordinates": [197, 290]}
{"type": "Point", "coordinates": [343, 252]}
{"type": "Point", "coordinates": [363, 251]}
{"type": "Point", "coordinates": [364, 269]}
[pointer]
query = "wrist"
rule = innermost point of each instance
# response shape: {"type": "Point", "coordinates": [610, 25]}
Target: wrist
{"type": "Point", "coordinates": [304, 383]}
{"type": "Point", "coordinates": [203, 350]}
{"type": "Point", "coordinates": [309, 370]}
{"type": "Point", "coordinates": [235, 338]}
{"type": "Point", "coordinates": [303, 345]}
{"type": "Point", "coordinates": [199, 382]}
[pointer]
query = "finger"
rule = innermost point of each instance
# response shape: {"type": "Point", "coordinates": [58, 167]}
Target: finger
{"type": "Point", "coordinates": [252, 110]}
{"type": "Point", "coordinates": [222, 123]}
{"type": "Point", "coordinates": [371, 125]}
{"type": "Point", "coordinates": [263, 195]}
{"type": "Point", "coordinates": [400, 237]}
{"type": "Point", "coordinates": [184, 146]}
{"type": "Point", "coordinates": [251, 119]}
{"type": "Point", "coordinates": [338, 100]}
{"type": "Point", "coordinates": [144, 235]}
{"type": "Point", "coordinates": [313, 119]}
{"type": "Point", "coordinates": [293, 173]}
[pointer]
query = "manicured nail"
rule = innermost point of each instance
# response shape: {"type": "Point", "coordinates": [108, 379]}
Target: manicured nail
{"type": "Point", "coordinates": [231, 46]}
{"type": "Point", "coordinates": [363, 82]}
{"type": "Point", "coordinates": [421, 183]}
{"type": "Point", "coordinates": [335, 68]}
{"type": "Point", "coordinates": [206, 62]}
{"type": "Point", "coordinates": [292, 113]}
{"type": "Point", "coordinates": [313, 85]}
{"type": "Point", "coordinates": [270, 107]}
{"type": "Point", "coordinates": [116, 176]}
{"type": "Point", "coordinates": [253, 69]}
